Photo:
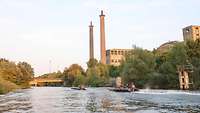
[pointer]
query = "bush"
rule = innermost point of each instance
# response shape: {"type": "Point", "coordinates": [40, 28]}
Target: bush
{"type": "Point", "coordinates": [79, 80]}
{"type": "Point", "coordinates": [7, 86]}
{"type": "Point", "coordinates": [95, 81]}
{"type": "Point", "coordinates": [138, 67]}
{"type": "Point", "coordinates": [97, 75]}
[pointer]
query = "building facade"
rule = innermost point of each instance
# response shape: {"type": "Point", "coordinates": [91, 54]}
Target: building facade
{"type": "Point", "coordinates": [191, 32]}
{"type": "Point", "coordinates": [115, 56]}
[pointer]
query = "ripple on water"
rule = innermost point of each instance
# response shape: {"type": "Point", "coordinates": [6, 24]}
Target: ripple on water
{"type": "Point", "coordinates": [99, 100]}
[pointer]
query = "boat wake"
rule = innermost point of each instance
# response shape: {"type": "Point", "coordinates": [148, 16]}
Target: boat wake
{"type": "Point", "coordinates": [168, 92]}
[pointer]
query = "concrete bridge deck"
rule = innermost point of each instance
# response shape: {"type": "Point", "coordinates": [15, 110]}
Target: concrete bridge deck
{"type": "Point", "coordinates": [46, 82]}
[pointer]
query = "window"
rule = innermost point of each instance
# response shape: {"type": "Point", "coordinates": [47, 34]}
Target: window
{"type": "Point", "coordinates": [183, 80]}
{"type": "Point", "coordinates": [115, 52]}
{"type": "Point", "coordinates": [119, 53]}
{"type": "Point", "coordinates": [112, 60]}
{"type": "Point", "coordinates": [111, 52]}
{"type": "Point", "coordinates": [122, 52]}
{"type": "Point", "coordinates": [197, 34]}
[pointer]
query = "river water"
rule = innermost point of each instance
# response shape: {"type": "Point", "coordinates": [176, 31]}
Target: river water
{"type": "Point", "coordinates": [98, 100]}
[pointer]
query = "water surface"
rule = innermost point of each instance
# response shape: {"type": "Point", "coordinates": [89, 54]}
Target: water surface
{"type": "Point", "coordinates": [98, 100]}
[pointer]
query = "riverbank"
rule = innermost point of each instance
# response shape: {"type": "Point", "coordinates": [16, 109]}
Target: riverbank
{"type": "Point", "coordinates": [14, 76]}
{"type": "Point", "coordinates": [7, 86]}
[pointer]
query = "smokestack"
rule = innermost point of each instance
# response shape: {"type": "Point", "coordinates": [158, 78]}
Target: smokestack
{"type": "Point", "coordinates": [102, 38]}
{"type": "Point", "coordinates": [91, 41]}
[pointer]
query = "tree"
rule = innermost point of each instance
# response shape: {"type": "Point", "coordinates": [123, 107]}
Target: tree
{"type": "Point", "coordinates": [27, 72]}
{"type": "Point", "coordinates": [71, 72]}
{"type": "Point", "coordinates": [54, 75]}
{"type": "Point", "coordinates": [176, 57]}
{"type": "Point", "coordinates": [193, 52]}
{"type": "Point", "coordinates": [79, 80]}
{"type": "Point", "coordinates": [95, 80]}
{"type": "Point", "coordinates": [10, 72]}
{"type": "Point", "coordinates": [6, 86]}
{"type": "Point", "coordinates": [92, 63]}
{"type": "Point", "coordinates": [114, 71]}
{"type": "Point", "coordinates": [97, 73]}
{"type": "Point", "coordinates": [14, 76]}
{"type": "Point", "coordinates": [138, 67]}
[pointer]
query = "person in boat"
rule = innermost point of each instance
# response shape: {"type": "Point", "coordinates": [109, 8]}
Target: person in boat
{"type": "Point", "coordinates": [131, 86]}
{"type": "Point", "coordinates": [82, 87]}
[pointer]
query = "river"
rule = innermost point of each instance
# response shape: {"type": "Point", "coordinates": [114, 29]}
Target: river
{"type": "Point", "coordinates": [98, 100]}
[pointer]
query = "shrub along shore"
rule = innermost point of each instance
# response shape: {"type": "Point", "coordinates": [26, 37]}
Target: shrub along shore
{"type": "Point", "coordinates": [14, 76]}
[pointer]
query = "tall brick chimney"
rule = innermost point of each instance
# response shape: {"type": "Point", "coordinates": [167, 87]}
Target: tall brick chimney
{"type": "Point", "coordinates": [102, 38]}
{"type": "Point", "coordinates": [91, 41]}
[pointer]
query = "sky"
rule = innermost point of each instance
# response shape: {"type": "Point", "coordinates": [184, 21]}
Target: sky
{"type": "Point", "coordinates": [53, 34]}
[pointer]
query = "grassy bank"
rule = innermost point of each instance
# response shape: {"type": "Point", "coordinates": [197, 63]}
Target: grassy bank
{"type": "Point", "coordinates": [14, 75]}
{"type": "Point", "coordinates": [7, 86]}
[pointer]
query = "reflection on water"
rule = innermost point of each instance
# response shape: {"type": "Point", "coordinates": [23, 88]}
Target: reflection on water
{"type": "Point", "coordinates": [98, 100]}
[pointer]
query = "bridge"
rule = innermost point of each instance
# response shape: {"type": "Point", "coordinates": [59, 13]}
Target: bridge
{"type": "Point", "coordinates": [46, 82]}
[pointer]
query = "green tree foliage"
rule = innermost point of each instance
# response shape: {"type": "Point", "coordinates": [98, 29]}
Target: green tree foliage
{"type": "Point", "coordinates": [27, 73]}
{"type": "Point", "coordinates": [12, 75]}
{"type": "Point", "coordinates": [95, 80]}
{"type": "Point", "coordinates": [54, 75]}
{"type": "Point", "coordinates": [138, 67]}
{"type": "Point", "coordinates": [177, 56]}
{"type": "Point", "coordinates": [193, 52]}
{"type": "Point", "coordinates": [9, 71]}
{"type": "Point", "coordinates": [71, 73]}
{"type": "Point", "coordinates": [92, 63]}
{"type": "Point", "coordinates": [79, 80]}
{"type": "Point", "coordinates": [97, 73]}
{"type": "Point", "coordinates": [143, 67]}
{"type": "Point", "coordinates": [159, 70]}
{"type": "Point", "coordinates": [114, 71]}
{"type": "Point", "coordinates": [7, 86]}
